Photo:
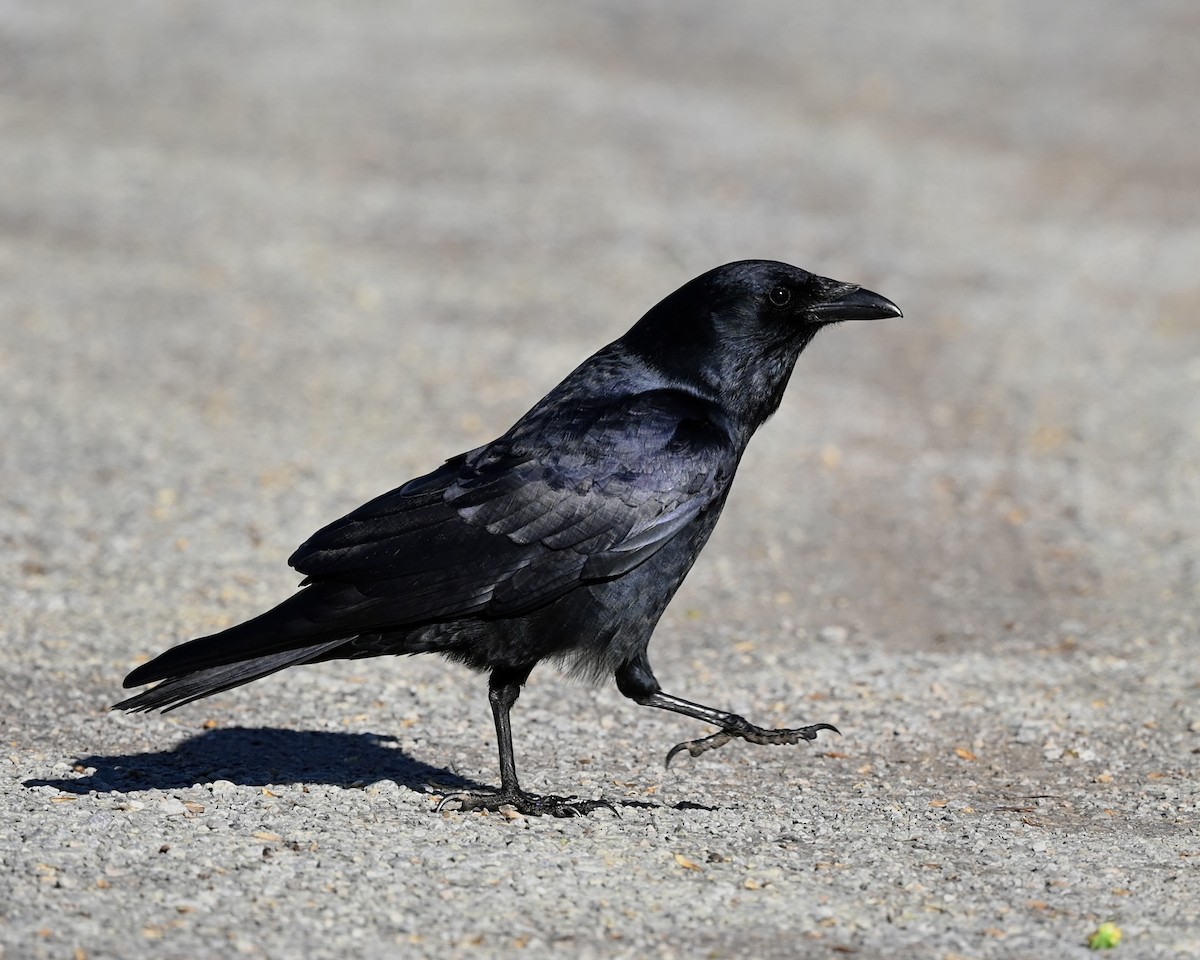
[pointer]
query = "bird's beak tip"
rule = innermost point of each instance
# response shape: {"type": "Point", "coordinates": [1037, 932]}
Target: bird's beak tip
{"type": "Point", "coordinates": [857, 304]}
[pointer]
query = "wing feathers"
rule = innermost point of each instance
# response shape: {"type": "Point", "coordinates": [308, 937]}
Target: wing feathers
{"type": "Point", "coordinates": [501, 530]}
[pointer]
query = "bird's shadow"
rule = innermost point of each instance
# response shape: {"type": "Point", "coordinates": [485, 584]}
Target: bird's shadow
{"type": "Point", "coordinates": [258, 756]}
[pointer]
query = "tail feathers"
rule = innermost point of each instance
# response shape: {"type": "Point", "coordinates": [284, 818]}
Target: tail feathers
{"type": "Point", "coordinates": [317, 614]}
{"type": "Point", "coordinates": [177, 690]}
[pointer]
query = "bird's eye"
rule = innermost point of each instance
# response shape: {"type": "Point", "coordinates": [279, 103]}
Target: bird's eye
{"type": "Point", "coordinates": [780, 296]}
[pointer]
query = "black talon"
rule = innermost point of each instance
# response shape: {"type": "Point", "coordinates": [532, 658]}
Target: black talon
{"type": "Point", "coordinates": [697, 747]}
{"type": "Point", "coordinates": [503, 690]}
{"type": "Point", "coordinates": [749, 732]}
{"type": "Point", "coordinates": [528, 804]}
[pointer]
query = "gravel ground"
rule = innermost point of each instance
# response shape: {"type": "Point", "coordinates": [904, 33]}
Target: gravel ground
{"type": "Point", "coordinates": [261, 262]}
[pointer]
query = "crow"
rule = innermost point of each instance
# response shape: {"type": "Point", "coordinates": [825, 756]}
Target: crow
{"type": "Point", "coordinates": [565, 538]}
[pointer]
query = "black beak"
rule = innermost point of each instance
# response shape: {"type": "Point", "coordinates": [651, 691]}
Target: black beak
{"type": "Point", "coordinates": [849, 302]}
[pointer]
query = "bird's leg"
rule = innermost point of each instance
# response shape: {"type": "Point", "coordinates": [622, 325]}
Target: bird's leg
{"type": "Point", "coordinates": [504, 687]}
{"type": "Point", "coordinates": [637, 681]}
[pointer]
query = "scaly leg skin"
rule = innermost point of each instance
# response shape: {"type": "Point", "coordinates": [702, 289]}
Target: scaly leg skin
{"type": "Point", "coordinates": [747, 731]}
{"type": "Point", "coordinates": [528, 804]}
{"type": "Point", "coordinates": [503, 689]}
{"type": "Point", "coordinates": [636, 680]}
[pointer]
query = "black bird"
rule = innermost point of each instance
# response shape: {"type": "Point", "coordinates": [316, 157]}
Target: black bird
{"type": "Point", "coordinates": [563, 539]}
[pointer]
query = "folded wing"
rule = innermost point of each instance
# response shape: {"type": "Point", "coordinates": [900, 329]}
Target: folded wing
{"type": "Point", "coordinates": [513, 525]}
{"type": "Point", "coordinates": [495, 532]}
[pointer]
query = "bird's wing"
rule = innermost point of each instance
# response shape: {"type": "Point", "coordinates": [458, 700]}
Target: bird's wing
{"type": "Point", "coordinates": [511, 526]}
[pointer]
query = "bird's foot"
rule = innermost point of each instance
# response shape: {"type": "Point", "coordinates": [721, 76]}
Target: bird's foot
{"type": "Point", "coordinates": [748, 731]}
{"type": "Point", "coordinates": [529, 804]}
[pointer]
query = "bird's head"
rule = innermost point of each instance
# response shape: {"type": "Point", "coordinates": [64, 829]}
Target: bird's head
{"type": "Point", "coordinates": [735, 332]}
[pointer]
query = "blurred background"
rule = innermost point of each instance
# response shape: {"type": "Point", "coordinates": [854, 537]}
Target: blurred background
{"type": "Point", "coordinates": [262, 261]}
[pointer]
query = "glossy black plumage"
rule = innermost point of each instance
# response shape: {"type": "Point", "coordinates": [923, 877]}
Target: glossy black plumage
{"type": "Point", "coordinates": [567, 536]}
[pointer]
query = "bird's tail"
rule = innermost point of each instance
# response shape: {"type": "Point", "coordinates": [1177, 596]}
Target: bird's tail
{"type": "Point", "coordinates": [305, 627]}
{"type": "Point", "coordinates": [175, 691]}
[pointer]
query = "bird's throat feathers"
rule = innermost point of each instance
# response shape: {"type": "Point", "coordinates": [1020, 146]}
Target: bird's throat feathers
{"type": "Point", "coordinates": [738, 372]}
{"type": "Point", "coordinates": [751, 378]}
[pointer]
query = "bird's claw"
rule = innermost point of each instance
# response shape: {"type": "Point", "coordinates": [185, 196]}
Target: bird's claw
{"type": "Point", "coordinates": [528, 804]}
{"type": "Point", "coordinates": [750, 733]}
